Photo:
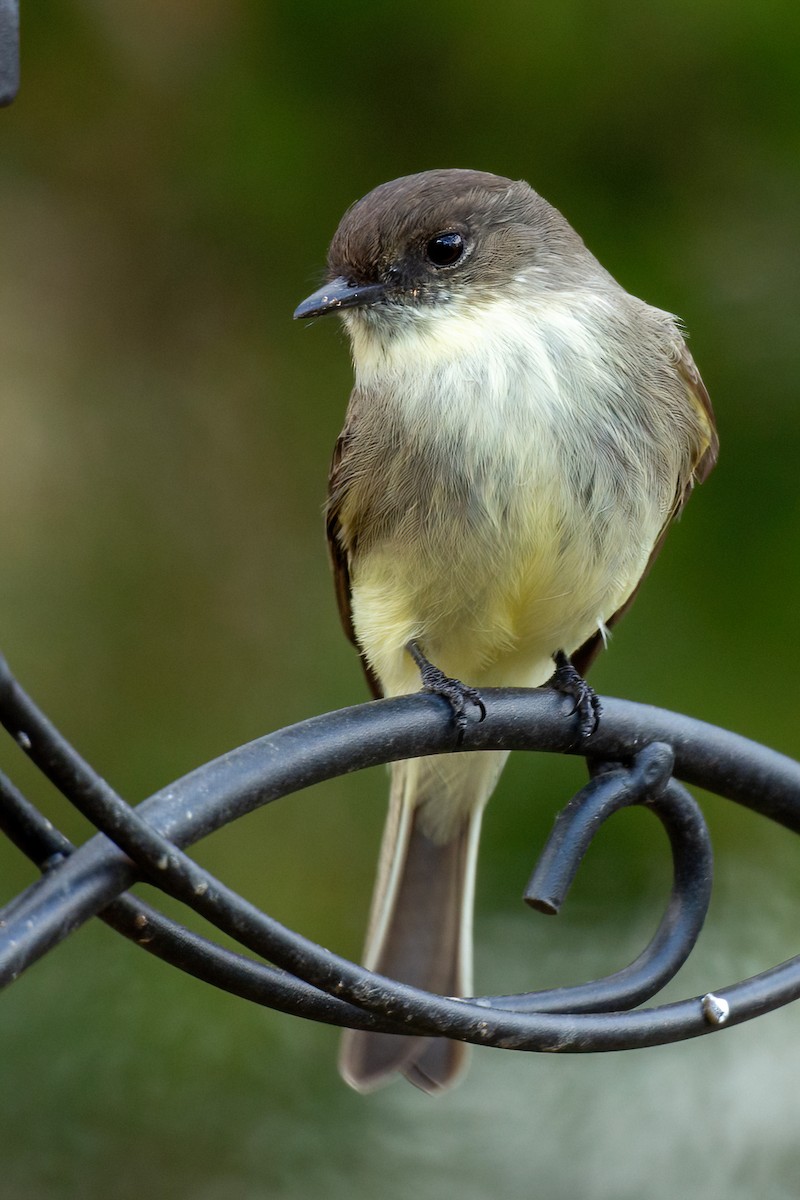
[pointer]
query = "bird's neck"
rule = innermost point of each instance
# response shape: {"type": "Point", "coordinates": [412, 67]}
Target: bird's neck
{"type": "Point", "coordinates": [507, 353]}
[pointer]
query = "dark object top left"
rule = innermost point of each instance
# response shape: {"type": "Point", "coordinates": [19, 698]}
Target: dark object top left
{"type": "Point", "coordinates": [9, 51]}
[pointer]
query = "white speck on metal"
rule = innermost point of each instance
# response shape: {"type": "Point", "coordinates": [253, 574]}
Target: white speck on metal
{"type": "Point", "coordinates": [715, 1010]}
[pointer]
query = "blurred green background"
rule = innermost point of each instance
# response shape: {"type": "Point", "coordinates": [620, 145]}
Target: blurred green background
{"type": "Point", "coordinates": [169, 179]}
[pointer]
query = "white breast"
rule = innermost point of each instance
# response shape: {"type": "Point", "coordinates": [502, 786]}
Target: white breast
{"type": "Point", "coordinates": [566, 489]}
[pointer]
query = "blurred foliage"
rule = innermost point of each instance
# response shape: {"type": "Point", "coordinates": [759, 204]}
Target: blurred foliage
{"type": "Point", "coordinates": [169, 178]}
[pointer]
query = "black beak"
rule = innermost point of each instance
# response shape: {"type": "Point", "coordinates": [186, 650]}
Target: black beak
{"type": "Point", "coordinates": [340, 293]}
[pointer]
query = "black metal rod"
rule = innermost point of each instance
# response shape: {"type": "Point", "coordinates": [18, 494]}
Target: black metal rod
{"type": "Point", "coordinates": [638, 982]}
{"type": "Point", "coordinates": [577, 824]}
{"type": "Point", "coordinates": [379, 732]}
{"type": "Point", "coordinates": [645, 782]}
{"type": "Point", "coordinates": [9, 51]}
{"type": "Point", "coordinates": [45, 845]}
{"type": "Point", "coordinates": [29, 831]}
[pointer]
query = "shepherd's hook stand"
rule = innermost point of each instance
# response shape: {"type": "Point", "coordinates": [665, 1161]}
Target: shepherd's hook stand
{"type": "Point", "coordinates": [636, 757]}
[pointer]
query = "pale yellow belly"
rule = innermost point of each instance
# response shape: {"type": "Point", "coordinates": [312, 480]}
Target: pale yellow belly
{"type": "Point", "coordinates": [490, 610]}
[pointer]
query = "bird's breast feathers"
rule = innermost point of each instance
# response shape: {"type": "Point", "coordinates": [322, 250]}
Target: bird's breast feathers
{"type": "Point", "coordinates": [505, 483]}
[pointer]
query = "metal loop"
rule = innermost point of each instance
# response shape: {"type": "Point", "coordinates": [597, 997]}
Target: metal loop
{"type": "Point", "coordinates": [148, 843]}
{"type": "Point", "coordinates": [645, 781]}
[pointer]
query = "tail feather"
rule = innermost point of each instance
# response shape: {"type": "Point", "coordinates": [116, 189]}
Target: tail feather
{"type": "Point", "coordinates": [421, 923]}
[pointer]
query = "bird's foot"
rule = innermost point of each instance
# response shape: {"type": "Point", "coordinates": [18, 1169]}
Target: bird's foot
{"type": "Point", "coordinates": [565, 679]}
{"type": "Point", "coordinates": [457, 694]}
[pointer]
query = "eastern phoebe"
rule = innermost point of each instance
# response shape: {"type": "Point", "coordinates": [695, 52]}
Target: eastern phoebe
{"type": "Point", "coordinates": [520, 434]}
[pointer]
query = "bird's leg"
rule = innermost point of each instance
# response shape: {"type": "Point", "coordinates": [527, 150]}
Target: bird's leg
{"type": "Point", "coordinates": [565, 679]}
{"type": "Point", "coordinates": [456, 693]}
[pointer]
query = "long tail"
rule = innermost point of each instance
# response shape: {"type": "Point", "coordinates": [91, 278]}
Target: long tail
{"type": "Point", "coordinates": [420, 929]}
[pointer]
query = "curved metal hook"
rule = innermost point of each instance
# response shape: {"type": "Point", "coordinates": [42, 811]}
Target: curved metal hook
{"type": "Point", "coordinates": [646, 781]}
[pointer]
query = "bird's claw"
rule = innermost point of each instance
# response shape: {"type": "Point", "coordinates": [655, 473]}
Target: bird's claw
{"type": "Point", "coordinates": [566, 680]}
{"type": "Point", "coordinates": [457, 694]}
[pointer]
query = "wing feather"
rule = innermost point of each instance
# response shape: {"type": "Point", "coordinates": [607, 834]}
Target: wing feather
{"type": "Point", "coordinates": [707, 452]}
{"type": "Point", "coordinates": [339, 553]}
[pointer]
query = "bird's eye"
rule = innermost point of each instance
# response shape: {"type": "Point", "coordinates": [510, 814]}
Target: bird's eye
{"type": "Point", "coordinates": [445, 249]}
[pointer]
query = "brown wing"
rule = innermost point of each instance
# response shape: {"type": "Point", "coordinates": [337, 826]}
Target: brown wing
{"type": "Point", "coordinates": [701, 401]}
{"type": "Point", "coordinates": [339, 557]}
{"type": "Point", "coordinates": [585, 655]}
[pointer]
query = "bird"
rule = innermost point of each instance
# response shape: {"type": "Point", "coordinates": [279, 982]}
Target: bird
{"type": "Point", "coordinates": [520, 434]}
